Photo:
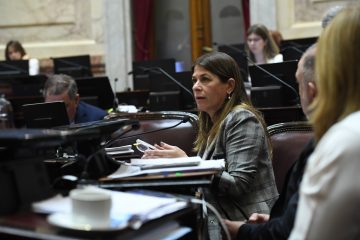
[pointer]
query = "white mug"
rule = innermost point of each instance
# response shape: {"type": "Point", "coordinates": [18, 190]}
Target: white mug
{"type": "Point", "coordinates": [90, 207]}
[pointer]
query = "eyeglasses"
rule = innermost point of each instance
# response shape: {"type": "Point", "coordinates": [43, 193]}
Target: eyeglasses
{"type": "Point", "coordinates": [143, 146]}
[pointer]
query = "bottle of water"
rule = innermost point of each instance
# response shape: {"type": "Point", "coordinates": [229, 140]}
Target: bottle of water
{"type": "Point", "coordinates": [6, 113]}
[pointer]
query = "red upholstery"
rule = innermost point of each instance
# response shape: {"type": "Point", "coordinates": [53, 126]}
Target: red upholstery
{"type": "Point", "coordinates": [182, 135]}
{"type": "Point", "coordinates": [288, 140]}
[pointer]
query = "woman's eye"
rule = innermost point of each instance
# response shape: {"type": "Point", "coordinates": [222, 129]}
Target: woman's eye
{"type": "Point", "coordinates": [204, 79]}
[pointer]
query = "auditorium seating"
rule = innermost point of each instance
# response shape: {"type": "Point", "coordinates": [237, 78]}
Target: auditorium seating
{"type": "Point", "coordinates": [288, 140]}
{"type": "Point", "coordinates": [174, 128]}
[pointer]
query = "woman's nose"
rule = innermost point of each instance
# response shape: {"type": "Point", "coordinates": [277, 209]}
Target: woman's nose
{"type": "Point", "coordinates": [195, 86]}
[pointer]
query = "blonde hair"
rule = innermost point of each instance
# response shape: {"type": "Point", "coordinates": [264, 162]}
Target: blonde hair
{"type": "Point", "coordinates": [337, 71]}
{"type": "Point", "coordinates": [225, 67]}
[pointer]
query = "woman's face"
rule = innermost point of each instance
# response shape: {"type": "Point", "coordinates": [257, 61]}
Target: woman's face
{"type": "Point", "coordinates": [14, 54]}
{"type": "Point", "coordinates": [209, 92]}
{"type": "Point", "coordinates": [255, 43]}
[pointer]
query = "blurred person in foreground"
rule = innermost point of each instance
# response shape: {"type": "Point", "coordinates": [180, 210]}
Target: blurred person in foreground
{"type": "Point", "coordinates": [329, 192]}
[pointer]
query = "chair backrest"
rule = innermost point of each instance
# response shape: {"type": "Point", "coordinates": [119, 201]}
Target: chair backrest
{"type": "Point", "coordinates": [288, 140]}
{"type": "Point", "coordinates": [174, 128]}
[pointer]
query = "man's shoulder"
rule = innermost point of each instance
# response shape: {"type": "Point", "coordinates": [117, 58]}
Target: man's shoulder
{"type": "Point", "coordinates": [86, 112]}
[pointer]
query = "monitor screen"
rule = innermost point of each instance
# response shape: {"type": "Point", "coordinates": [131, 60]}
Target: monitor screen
{"type": "Point", "coordinates": [21, 86]}
{"type": "Point", "coordinates": [75, 66]}
{"type": "Point", "coordinates": [187, 99]}
{"type": "Point", "coordinates": [162, 83]}
{"type": "Point", "coordinates": [17, 67]}
{"type": "Point", "coordinates": [45, 114]}
{"type": "Point", "coordinates": [141, 75]}
{"type": "Point", "coordinates": [293, 49]}
{"type": "Point", "coordinates": [284, 71]}
{"type": "Point", "coordinates": [97, 89]}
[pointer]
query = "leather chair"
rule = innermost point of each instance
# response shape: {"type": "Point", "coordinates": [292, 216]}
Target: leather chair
{"type": "Point", "coordinates": [288, 140]}
{"type": "Point", "coordinates": [172, 127]}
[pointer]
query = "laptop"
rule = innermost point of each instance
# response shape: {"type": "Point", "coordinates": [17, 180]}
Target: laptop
{"type": "Point", "coordinates": [45, 114]}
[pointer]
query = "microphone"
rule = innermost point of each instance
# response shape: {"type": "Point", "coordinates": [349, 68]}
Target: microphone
{"type": "Point", "coordinates": [116, 100]}
{"type": "Point", "coordinates": [143, 69]}
{"type": "Point", "coordinates": [292, 48]}
{"type": "Point", "coordinates": [92, 160]}
{"type": "Point", "coordinates": [73, 65]}
{"type": "Point", "coordinates": [243, 53]}
{"type": "Point", "coordinates": [183, 120]}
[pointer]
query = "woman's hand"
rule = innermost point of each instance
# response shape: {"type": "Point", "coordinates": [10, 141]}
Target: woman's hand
{"type": "Point", "coordinates": [164, 151]}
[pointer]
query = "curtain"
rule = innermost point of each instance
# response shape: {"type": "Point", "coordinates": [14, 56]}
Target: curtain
{"type": "Point", "coordinates": [143, 33]}
{"type": "Point", "coordinates": [246, 15]}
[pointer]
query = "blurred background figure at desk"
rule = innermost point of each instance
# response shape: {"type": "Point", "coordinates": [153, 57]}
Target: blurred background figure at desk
{"type": "Point", "coordinates": [15, 51]}
{"type": "Point", "coordinates": [230, 128]}
{"type": "Point", "coordinates": [261, 47]}
{"type": "Point", "coordinates": [61, 87]}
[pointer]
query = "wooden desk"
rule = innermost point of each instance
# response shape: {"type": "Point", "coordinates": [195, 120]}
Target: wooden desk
{"type": "Point", "coordinates": [35, 226]}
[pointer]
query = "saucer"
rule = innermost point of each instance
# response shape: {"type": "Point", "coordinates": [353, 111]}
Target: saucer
{"type": "Point", "coordinates": [65, 220]}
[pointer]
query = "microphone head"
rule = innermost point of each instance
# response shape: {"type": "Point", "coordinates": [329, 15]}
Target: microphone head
{"type": "Point", "coordinates": [185, 119]}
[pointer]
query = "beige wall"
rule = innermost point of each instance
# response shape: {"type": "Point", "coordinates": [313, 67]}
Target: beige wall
{"type": "Point", "coordinates": [53, 28]}
{"type": "Point", "coordinates": [293, 18]}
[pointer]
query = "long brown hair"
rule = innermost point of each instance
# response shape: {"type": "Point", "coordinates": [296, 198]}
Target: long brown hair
{"type": "Point", "coordinates": [16, 45]}
{"type": "Point", "coordinates": [270, 49]}
{"type": "Point", "coordinates": [337, 71]}
{"type": "Point", "coordinates": [225, 67]}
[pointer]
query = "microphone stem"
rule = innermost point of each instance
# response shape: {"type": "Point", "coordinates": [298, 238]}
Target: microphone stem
{"type": "Point", "coordinates": [278, 79]}
{"type": "Point", "coordinates": [176, 81]}
{"type": "Point", "coordinates": [262, 69]}
{"type": "Point", "coordinates": [74, 64]}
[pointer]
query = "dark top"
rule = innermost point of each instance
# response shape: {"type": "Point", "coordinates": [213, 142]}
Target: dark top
{"type": "Point", "coordinates": [282, 215]}
{"type": "Point", "coordinates": [88, 113]}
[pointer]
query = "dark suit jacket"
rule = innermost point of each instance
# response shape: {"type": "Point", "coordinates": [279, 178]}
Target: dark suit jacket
{"type": "Point", "coordinates": [282, 215]}
{"type": "Point", "coordinates": [88, 113]}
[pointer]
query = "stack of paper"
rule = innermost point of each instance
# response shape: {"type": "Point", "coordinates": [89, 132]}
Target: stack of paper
{"type": "Point", "coordinates": [139, 167]}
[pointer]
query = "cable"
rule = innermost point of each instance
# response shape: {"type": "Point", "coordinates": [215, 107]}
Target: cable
{"type": "Point", "coordinates": [217, 214]}
{"type": "Point", "coordinates": [143, 133]}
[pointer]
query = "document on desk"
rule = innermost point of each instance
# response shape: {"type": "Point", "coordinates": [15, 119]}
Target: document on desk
{"type": "Point", "coordinates": [129, 209]}
{"type": "Point", "coordinates": [139, 167]}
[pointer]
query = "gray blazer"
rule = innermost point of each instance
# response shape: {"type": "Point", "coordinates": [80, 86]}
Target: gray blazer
{"type": "Point", "coordinates": [247, 185]}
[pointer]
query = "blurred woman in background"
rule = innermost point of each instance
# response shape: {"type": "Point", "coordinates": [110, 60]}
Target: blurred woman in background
{"type": "Point", "coordinates": [15, 51]}
{"type": "Point", "coordinates": [261, 47]}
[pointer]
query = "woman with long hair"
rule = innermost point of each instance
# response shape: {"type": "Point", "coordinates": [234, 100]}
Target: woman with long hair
{"type": "Point", "coordinates": [15, 51]}
{"type": "Point", "coordinates": [230, 128]}
{"type": "Point", "coordinates": [260, 46]}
